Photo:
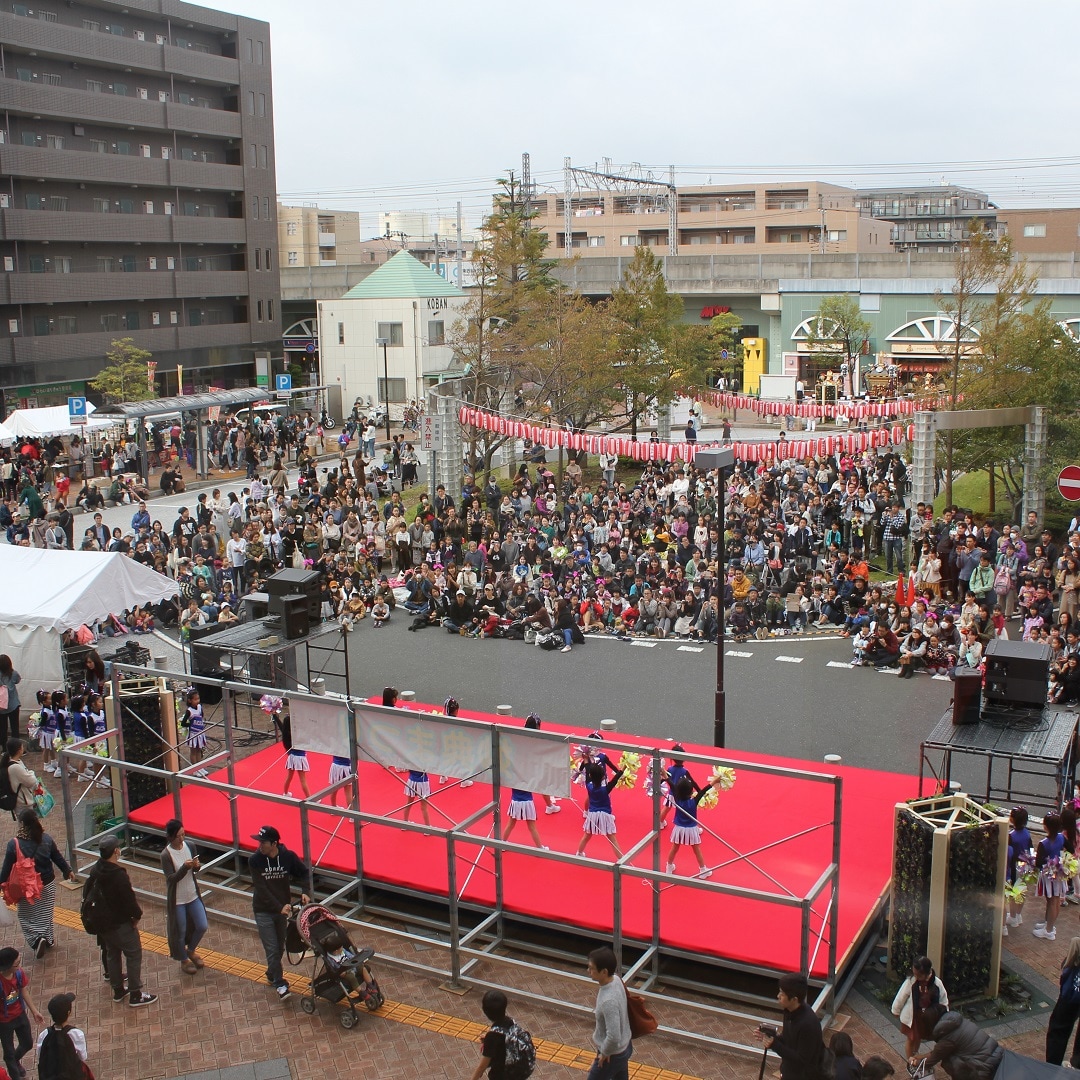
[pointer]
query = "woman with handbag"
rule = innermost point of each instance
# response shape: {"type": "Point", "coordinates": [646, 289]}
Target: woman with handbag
{"type": "Point", "coordinates": [186, 915]}
{"type": "Point", "coordinates": [22, 780]}
{"type": "Point", "coordinates": [36, 917]}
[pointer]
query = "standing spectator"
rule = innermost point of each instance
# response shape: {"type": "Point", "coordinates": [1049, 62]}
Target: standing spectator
{"type": "Point", "coordinates": [23, 782]}
{"type": "Point", "coordinates": [272, 868]}
{"type": "Point", "coordinates": [121, 915]}
{"type": "Point", "coordinates": [61, 1048]}
{"type": "Point", "coordinates": [798, 1044]}
{"type": "Point", "coordinates": [15, 1002]}
{"type": "Point", "coordinates": [1066, 1010]}
{"type": "Point", "coordinates": [186, 915]}
{"type": "Point", "coordinates": [611, 1035]}
{"type": "Point", "coordinates": [919, 991]}
{"type": "Point", "coordinates": [895, 531]}
{"type": "Point", "coordinates": [9, 683]}
{"type": "Point", "coordinates": [36, 917]}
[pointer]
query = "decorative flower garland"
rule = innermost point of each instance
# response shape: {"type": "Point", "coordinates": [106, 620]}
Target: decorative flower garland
{"type": "Point", "coordinates": [855, 410]}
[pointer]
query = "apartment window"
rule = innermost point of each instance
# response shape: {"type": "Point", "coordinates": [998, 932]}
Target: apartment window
{"type": "Point", "coordinates": [13, 326]}
{"type": "Point", "coordinates": [41, 325]}
{"type": "Point", "coordinates": [99, 146]}
{"type": "Point", "coordinates": [391, 389]}
{"type": "Point", "coordinates": [174, 318]}
{"type": "Point", "coordinates": [436, 332]}
{"type": "Point", "coordinates": [106, 264]}
{"type": "Point", "coordinates": [596, 241]}
{"type": "Point", "coordinates": [58, 202]}
{"type": "Point", "coordinates": [266, 207]}
{"type": "Point", "coordinates": [290, 228]}
{"type": "Point", "coordinates": [249, 47]}
{"type": "Point", "coordinates": [24, 74]}
{"type": "Point", "coordinates": [54, 142]}
{"type": "Point", "coordinates": [127, 264]}
{"type": "Point", "coordinates": [49, 79]}
{"type": "Point", "coordinates": [131, 320]}
{"type": "Point", "coordinates": [836, 236]}
{"type": "Point", "coordinates": [29, 138]}
{"type": "Point", "coordinates": [110, 322]}
{"type": "Point", "coordinates": [393, 332]}
{"type": "Point", "coordinates": [94, 86]}
{"type": "Point", "coordinates": [37, 264]}
{"type": "Point", "coordinates": [251, 102]}
{"type": "Point", "coordinates": [258, 258]}
{"type": "Point", "coordinates": [258, 309]}
{"type": "Point", "coordinates": [270, 310]}
{"type": "Point", "coordinates": [120, 89]}
{"type": "Point", "coordinates": [260, 54]}
{"type": "Point", "coordinates": [254, 155]}
{"type": "Point", "coordinates": [101, 206]}
{"type": "Point", "coordinates": [34, 201]}
{"type": "Point", "coordinates": [1034, 230]}
{"type": "Point", "coordinates": [126, 206]}
{"type": "Point", "coordinates": [20, 9]}
{"type": "Point", "coordinates": [341, 333]}
{"type": "Point", "coordinates": [91, 24]}
{"type": "Point", "coordinates": [294, 258]}
{"type": "Point", "coordinates": [62, 264]}
{"type": "Point", "coordinates": [170, 262]}
{"type": "Point", "coordinates": [66, 324]}
{"type": "Point", "coordinates": [628, 241]}
{"type": "Point", "coordinates": [191, 209]}
{"type": "Point", "coordinates": [122, 147]}
{"type": "Point", "coordinates": [255, 207]}
{"type": "Point", "coordinates": [262, 104]}
{"type": "Point", "coordinates": [267, 259]}
{"type": "Point", "coordinates": [264, 156]}
{"type": "Point", "coordinates": [9, 263]}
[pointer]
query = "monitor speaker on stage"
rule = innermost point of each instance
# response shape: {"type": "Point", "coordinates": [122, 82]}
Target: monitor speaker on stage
{"type": "Point", "coordinates": [967, 697]}
{"type": "Point", "coordinates": [293, 582]}
{"type": "Point", "coordinates": [1017, 673]}
{"type": "Point", "coordinates": [295, 613]}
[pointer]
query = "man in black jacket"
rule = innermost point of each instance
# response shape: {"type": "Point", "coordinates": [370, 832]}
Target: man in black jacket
{"type": "Point", "coordinates": [273, 867]}
{"type": "Point", "coordinates": [120, 913]}
{"type": "Point", "coordinates": [799, 1044]}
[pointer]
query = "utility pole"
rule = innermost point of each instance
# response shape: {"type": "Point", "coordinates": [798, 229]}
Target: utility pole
{"type": "Point", "coordinates": [460, 282]}
{"type": "Point", "coordinates": [821, 207]}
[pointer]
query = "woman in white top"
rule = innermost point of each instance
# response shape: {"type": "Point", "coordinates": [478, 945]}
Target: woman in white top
{"type": "Point", "coordinates": [185, 912]}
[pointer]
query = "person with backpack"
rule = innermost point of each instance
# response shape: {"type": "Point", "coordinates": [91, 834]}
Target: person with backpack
{"type": "Point", "coordinates": [1066, 1010]}
{"type": "Point", "coordinates": [61, 1048]}
{"type": "Point", "coordinates": [17, 782]}
{"type": "Point", "coordinates": [15, 1003]}
{"type": "Point", "coordinates": [506, 1049]}
{"type": "Point", "coordinates": [111, 910]}
{"type": "Point", "coordinates": [28, 877]}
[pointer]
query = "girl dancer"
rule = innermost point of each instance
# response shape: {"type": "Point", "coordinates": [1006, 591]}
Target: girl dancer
{"type": "Point", "coordinates": [195, 723]}
{"type": "Point", "coordinates": [96, 721]}
{"type": "Point", "coordinates": [451, 708]}
{"type": "Point", "coordinates": [80, 729]}
{"type": "Point", "coordinates": [673, 774]}
{"type": "Point", "coordinates": [599, 820]}
{"type": "Point", "coordinates": [522, 806]}
{"type": "Point", "coordinates": [1052, 882]}
{"type": "Point", "coordinates": [686, 831]}
{"type": "Point", "coordinates": [417, 789]}
{"type": "Point", "coordinates": [296, 762]}
{"type": "Point", "coordinates": [47, 729]}
{"type": "Point", "coordinates": [340, 769]}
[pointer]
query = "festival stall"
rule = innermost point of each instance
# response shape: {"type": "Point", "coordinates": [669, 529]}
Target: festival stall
{"type": "Point", "coordinates": [48, 592]}
{"type": "Point", "coordinates": [45, 423]}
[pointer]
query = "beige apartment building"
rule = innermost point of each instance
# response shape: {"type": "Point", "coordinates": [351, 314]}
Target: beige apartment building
{"type": "Point", "coordinates": [1041, 232]}
{"type": "Point", "coordinates": [308, 236]}
{"type": "Point", "coordinates": [748, 219]}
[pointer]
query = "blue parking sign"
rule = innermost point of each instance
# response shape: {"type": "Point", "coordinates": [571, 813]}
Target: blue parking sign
{"type": "Point", "coordinates": [282, 382]}
{"type": "Point", "coordinates": [77, 411]}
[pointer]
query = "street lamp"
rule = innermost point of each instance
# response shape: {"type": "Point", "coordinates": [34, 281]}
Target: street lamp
{"type": "Point", "coordinates": [719, 460]}
{"type": "Point", "coordinates": [386, 382]}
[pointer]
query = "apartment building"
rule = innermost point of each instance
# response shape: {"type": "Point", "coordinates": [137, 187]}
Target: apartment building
{"type": "Point", "coordinates": [308, 236]}
{"type": "Point", "coordinates": [137, 192]}
{"type": "Point", "coordinates": [1039, 232]}
{"type": "Point", "coordinates": [750, 219]}
{"type": "Point", "coordinates": [936, 218]}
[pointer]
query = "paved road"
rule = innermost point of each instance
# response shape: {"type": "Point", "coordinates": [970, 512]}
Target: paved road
{"type": "Point", "coordinates": [806, 706]}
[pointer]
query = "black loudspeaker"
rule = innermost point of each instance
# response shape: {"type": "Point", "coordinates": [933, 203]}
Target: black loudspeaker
{"type": "Point", "coordinates": [294, 612]}
{"type": "Point", "coordinates": [206, 660]}
{"type": "Point", "coordinates": [1017, 672]}
{"type": "Point", "coordinates": [297, 582]}
{"type": "Point", "coordinates": [967, 697]}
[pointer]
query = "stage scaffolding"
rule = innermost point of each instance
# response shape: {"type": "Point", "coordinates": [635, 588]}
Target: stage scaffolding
{"type": "Point", "coordinates": [467, 933]}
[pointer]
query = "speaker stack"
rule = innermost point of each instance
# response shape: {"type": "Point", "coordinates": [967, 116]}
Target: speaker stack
{"type": "Point", "coordinates": [1017, 673]}
{"type": "Point", "coordinates": [294, 596]}
{"type": "Point", "coordinates": [967, 697]}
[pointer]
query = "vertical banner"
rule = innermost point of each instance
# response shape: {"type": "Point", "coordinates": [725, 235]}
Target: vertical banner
{"type": "Point", "coordinates": [151, 369]}
{"type": "Point", "coordinates": [179, 380]}
{"type": "Point", "coordinates": [320, 724]}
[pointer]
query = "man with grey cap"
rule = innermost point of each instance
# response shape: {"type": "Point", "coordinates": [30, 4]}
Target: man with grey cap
{"type": "Point", "coordinates": [119, 923]}
{"type": "Point", "coordinates": [273, 867]}
{"type": "Point", "coordinates": [61, 1048]}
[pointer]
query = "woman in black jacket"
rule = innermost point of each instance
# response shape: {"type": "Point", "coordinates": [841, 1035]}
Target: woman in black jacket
{"type": "Point", "coordinates": [960, 1047]}
{"type": "Point", "coordinates": [1066, 1010]}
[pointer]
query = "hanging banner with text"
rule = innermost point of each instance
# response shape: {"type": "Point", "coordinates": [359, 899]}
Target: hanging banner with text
{"type": "Point", "coordinates": [320, 725]}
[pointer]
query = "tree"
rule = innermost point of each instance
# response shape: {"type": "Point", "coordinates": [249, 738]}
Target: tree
{"type": "Point", "coordinates": [988, 293]}
{"type": "Point", "coordinates": [839, 327]}
{"type": "Point", "coordinates": [124, 378]}
{"type": "Point", "coordinates": [654, 360]}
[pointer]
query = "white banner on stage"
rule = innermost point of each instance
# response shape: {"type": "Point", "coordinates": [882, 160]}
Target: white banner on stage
{"type": "Point", "coordinates": [321, 725]}
{"type": "Point", "coordinates": [462, 749]}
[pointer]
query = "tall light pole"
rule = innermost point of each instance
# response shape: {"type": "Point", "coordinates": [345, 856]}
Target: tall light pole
{"type": "Point", "coordinates": [719, 460]}
{"type": "Point", "coordinates": [386, 382]}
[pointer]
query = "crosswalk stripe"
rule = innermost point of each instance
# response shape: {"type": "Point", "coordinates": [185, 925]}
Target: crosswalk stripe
{"type": "Point", "coordinates": [789, 659]}
{"type": "Point", "coordinates": [735, 652]}
{"type": "Point", "coordinates": [691, 648]}
{"type": "Point", "coordinates": [837, 663]}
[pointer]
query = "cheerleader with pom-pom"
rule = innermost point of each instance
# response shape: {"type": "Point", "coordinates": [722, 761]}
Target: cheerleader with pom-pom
{"type": "Point", "coordinates": [599, 819]}
{"type": "Point", "coordinates": [340, 769]}
{"type": "Point", "coordinates": [296, 761]}
{"type": "Point", "coordinates": [417, 790]}
{"type": "Point", "coordinates": [675, 771]}
{"type": "Point", "coordinates": [195, 723]}
{"type": "Point", "coordinates": [686, 832]}
{"type": "Point", "coordinates": [522, 803]}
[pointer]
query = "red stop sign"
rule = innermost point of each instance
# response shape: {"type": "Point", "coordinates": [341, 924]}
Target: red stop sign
{"type": "Point", "coordinates": [1068, 483]}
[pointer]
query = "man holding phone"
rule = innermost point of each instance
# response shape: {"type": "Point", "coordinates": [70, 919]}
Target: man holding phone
{"type": "Point", "coordinates": [273, 867]}
{"type": "Point", "coordinates": [798, 1044]}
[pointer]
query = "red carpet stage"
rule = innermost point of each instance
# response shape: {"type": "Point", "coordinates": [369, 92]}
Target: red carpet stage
{"type": "Point", "coordinates": [750, 823]}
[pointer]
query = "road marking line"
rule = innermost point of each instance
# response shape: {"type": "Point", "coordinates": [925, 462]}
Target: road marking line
{"type": "Point", "coordinates": [837, 663]}
{"type": "Point", "coordinates": [644, 644]}
{"type": "Point", "coordinates": [691, 648]}
{"type": "Point", "coordinates": [789, 659]}
{"type": "Point", "coordinates": [735, 652]}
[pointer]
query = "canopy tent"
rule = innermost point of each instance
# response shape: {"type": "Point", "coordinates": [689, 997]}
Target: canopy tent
{"type": "Point", "coordinates": [45, 423]}
{"type": "Point", "coordinates": [48, 592]}
{"type": "Point", "coordinates": [7, 436]}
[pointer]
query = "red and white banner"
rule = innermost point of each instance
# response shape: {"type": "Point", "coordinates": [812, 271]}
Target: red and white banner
{"type": "Point", "coordinates": [856, 410]}
{"type": "Point", "coordinates": [552, 438]}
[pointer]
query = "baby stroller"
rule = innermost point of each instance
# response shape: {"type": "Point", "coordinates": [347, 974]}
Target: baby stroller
{"type": "Point", "coordinates": [342, 973]}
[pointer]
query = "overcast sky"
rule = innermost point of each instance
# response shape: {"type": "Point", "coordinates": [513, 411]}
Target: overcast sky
{"type": "Point", "coordinates": [387, 106]}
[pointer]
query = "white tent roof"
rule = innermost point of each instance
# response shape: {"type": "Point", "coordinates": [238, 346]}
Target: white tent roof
{"type": "Point", "coordinates": [44, 423]}
{"type": "Point", "coordinates": [61, 590]}
{"type": "Point", "coordinates": [7, 437]}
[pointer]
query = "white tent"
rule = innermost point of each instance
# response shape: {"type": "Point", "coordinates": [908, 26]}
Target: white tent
{"type": "Point", "coordinates": [48, 592]}
{"type": "Point", "coordinates": [7, 437]}
{"type": "Point", "coordinates": [45, 423]}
